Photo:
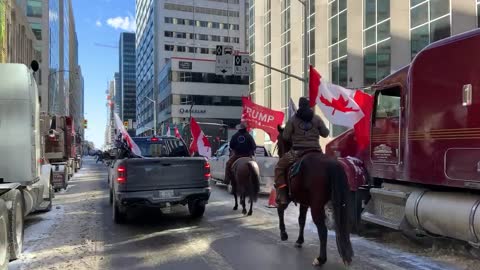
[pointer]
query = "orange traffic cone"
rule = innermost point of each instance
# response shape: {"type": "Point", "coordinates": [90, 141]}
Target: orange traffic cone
{"type": "Point", "coordinates": [271, 199]}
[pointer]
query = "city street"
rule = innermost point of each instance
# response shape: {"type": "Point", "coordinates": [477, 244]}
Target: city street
{"type": "Point", "coordinates": [79, 233]}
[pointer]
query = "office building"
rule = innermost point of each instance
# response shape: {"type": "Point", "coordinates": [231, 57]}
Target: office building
{"type": "Point", "coordinates": [169, 30]}
{"type": "Point", "coordinates": [353, 43]}
{"type": "Point", "coordinates": [127, 80]}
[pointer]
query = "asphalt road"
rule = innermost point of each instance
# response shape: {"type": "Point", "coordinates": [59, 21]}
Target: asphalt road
{"type": "Point", "coordinates": [79, 233]}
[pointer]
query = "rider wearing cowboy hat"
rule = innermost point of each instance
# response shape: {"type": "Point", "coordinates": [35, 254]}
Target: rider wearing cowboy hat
{"type": "Point", "coordinates": [303, 130]}
{"type": "Point", "coordinates": [242, 144]}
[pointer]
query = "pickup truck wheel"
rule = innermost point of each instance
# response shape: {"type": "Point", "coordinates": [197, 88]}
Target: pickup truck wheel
{"type": "Point", "coordinates": [196, 209]}
{"type": "Point", "coordinates": [4, 249]}
{"type": "Point", "coordinates": [119, 215]}
{"type": "Point", "coordinates": [15, 228]}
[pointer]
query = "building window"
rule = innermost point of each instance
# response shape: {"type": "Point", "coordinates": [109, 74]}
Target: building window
{"type": "Point", "coordinates": [180, 35]}
{"type": "Point", "coordinates": [226, 39]}
{"type": "Point", "coordinates": [202, 24]}
{"type": "Point", "coordinates": [429, 22]}
{"type": "Point", "coordinates": [285, 54]}
{"type": "Point", "coordinates": [169, 48]}
{"type": "Point", "coordinates": [204, 50]}
{"type": "Point", "coordinates": [251, 43]}
{"type": "Point", "coordinates": [181, 49]}
{"type": "Point", "coordinates": [267, 50]}
{"type": "Point", "coordinates": [215, 25]}
{"type": "Point", "coordinates": [202, 37]}
{"type": "Point", "coordinates": [311, 32]}
{"type": "Point", "coordinates": [338, 41]}
{"type": "Point", "coordinates": [376, 40]}
{"type": "Point", "coordinates": [168, 34]}
{"type": "Point", "coordinates": [168, 20]}
{"type": "Point", "coordinates": [236, 40]}
{"type": "Point", "coordinates": [34, 8]}
{"type": "Point", "coordinates": [216, 38]}
{"type": "Point", "coordinates": [37, 30]}
{"type": "Point", "coordinates": [192, 36]}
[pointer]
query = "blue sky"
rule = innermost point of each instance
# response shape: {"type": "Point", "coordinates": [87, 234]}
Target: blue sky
{"type": "Point", "coordinates": [100, 21]}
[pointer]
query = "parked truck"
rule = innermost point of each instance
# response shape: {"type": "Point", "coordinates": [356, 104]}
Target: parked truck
{"type": "Point", "coordinates": [421, 173]}
{"type": "Point", "coordinates": [60, 149]}
{"type": "Point", "coordinates": [25, 176]}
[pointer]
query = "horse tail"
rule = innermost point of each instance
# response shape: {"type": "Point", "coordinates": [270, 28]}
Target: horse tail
{"type": "Point", "coordinates": [340, 192]}
{"type": "Point", "coordinates": [254, 180]}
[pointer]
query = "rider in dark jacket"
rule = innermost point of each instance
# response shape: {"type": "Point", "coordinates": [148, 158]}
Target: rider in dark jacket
{"type": "Point", "coordinates": [242, 144]}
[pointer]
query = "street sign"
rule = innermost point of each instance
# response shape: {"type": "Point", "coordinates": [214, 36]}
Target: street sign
{"type": "Point", "coordinates": [224, 60]}
{"type": "Point", "coordinates": [242, 65]}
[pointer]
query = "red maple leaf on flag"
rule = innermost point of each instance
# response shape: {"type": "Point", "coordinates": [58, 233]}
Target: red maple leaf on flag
{"type": "Point", "coordinates": [339, 104]}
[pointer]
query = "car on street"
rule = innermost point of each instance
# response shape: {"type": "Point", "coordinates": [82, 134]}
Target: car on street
{"type": "Point", "coordinates": [265, 160]}
{"type": "Point", "coordinates": [164, 176]}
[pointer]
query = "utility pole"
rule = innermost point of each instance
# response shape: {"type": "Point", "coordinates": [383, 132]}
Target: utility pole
{"type": "Point", "coordinates": [154, 116]}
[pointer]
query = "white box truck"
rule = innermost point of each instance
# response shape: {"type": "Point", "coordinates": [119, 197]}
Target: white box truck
{"type": "Point", "coordinates": [24, 175]}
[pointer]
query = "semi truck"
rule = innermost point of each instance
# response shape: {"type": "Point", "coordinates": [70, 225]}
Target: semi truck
{"type": "Point", "coordinates": [60, 148]}
{"type": "Point", "coordinates": [421, 171]}
{"type": "Point", "coordinates": [25, 176]}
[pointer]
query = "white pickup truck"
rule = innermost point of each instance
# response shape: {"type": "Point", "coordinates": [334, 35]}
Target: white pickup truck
{"type": "Point", "coordinates": [266, 163]}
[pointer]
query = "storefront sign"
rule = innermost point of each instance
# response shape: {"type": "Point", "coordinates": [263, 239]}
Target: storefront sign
{"type": "Point", "coordinates": [182, 111]}
{"type": "Point", "coordinates": [185, 65]}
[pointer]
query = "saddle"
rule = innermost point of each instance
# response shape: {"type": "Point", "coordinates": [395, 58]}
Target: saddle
{"type": "Point", "coordinates": [294, 170]}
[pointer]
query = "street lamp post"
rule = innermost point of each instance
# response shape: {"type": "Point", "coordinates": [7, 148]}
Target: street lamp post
{"type": "Point", "coordinates": [154, 116]}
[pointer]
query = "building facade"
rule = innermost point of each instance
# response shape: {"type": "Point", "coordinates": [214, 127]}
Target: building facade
{"type": "Point", "coordinates": [353, 43]}
{"type": "Point", "coordinates": [188, 29]}
{"type": "Point", "coordinates": [37, 12]}
{"type": "Point", "coordinates": [127, 80]}
{"type": "Point", "coordinates": [17, 40]}
{"type": "Point", "coordinates": [189, 87]}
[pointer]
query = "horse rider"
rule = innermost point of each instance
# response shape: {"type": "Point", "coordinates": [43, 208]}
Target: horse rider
{"type": "Point", "coordinates": [242, 144]}
{"type": "Point", "coordinates": [303, 130]}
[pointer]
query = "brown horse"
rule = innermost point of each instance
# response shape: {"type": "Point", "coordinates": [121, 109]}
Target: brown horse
{"type": "Point", "coordinates": [246, 182]}
{"type": "Point", "coordinates": [319, 180]}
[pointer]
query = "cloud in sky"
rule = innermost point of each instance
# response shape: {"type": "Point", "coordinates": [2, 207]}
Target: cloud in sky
{"type": "Point", "coordinates": [124, 23]}
{"type": "Point", "coordinates": [98, 23]}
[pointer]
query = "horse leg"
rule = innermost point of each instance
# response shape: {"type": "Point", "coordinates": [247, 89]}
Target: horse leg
{"type": "Point", "coordinates": [281, 212]}
{"type": "Point", "coordinates": [302, 217]}
{"type": "Point", "coordinates": [251, 206]}
{"type": "Point", "coordinates": [236, 201]}
{"type": "Point", "coordinates": [318, 216]}
{"type": "Point", "coordinates": [242, 200]}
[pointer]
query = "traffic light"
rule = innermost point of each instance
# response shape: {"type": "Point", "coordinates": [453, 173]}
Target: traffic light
{"type": "Point", "coordinates": [85, 122]}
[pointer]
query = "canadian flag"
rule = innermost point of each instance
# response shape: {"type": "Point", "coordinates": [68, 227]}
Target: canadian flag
{"type": "Point", "coordinates": [341, 106]}
{"type": "Point", "coordinates": [133, 146]}
{"type": "Point", "coordinates": [177, 133]}
{"type": "Point", "coordinates": [200, 142]}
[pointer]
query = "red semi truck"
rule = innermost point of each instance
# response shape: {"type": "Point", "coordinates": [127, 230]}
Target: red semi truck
{"type": "Point", "coordinates": [421, 172]}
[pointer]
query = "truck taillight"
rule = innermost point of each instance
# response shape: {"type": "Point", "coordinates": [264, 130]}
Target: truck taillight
{"type": "Point", "coordinates": [122, 174]}
{"type": "Point", "coordinates": [207, 170]}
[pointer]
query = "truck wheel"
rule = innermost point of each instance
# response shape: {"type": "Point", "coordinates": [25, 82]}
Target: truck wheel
{"type": "Point", "coordinates": [4, 249]}
{"type": "Point", "coordinates": [196, 209]}
{"type": "Point", "coordinates": [119, 215]}
{"type": "Point", "coordinates": [16, 229]}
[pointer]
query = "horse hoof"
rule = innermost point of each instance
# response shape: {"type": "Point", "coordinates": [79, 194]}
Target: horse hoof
{"type": "Point", "coordinates": [235, 208]}
{"type": "Point", "coordinates": [298, 245]}
{"type": "Point", "coordinates": [249, 213]}
{"type": "Point", "coordinates": [284, 236]}
{"type": "Point", "coordinates": [319, 262]}
{"type": "Point", "coordinates": [244, 212]}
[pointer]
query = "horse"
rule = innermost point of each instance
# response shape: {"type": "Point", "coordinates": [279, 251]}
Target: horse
{"type": "Point", "coordinates": [319, 180]}
{"type": "Point", "coordinates": [246, 182]}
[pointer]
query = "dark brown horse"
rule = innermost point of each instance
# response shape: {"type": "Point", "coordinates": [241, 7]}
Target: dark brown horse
{"type": "Point", "coordinates": [246, 182]}
{"type": "Point", "coordinates": [319, 180]}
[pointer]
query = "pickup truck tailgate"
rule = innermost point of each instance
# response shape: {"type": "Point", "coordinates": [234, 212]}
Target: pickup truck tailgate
{"type": "Point", "coordinates": [165, 173]}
